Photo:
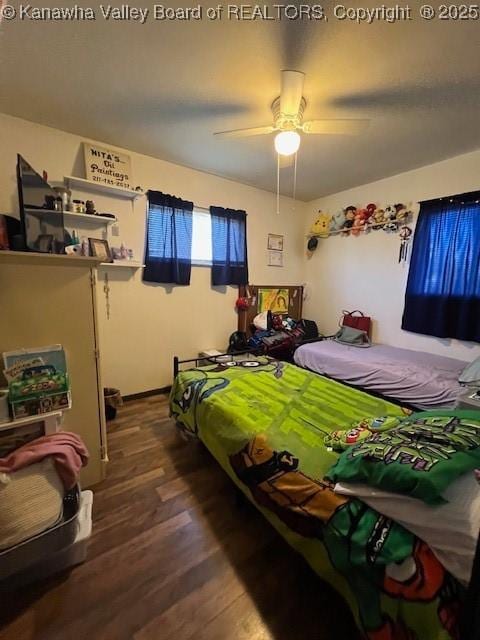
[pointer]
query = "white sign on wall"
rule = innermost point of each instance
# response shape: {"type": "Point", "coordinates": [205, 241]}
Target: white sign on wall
{"type": "Point", "coordinates": [107, 167]}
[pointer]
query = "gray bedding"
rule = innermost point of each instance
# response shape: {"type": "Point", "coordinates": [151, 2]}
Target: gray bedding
{"type": "Point", "coordinates": [423, 380]}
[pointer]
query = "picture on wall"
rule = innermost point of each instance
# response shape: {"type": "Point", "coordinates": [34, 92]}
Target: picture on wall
{"type": "Point", "coordinates": [275, 242]}
{"type": "Point", "coordinates": [107, 166]}
{"type": "Point", "coordinates": [275, 258]}
{"type": "Point", "coordinates": [274, 300]}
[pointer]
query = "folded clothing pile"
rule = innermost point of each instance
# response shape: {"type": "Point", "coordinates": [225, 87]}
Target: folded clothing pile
{"type": "Point", "coordinates": [421, 474]}
{"type": "Point", "coordinates": [33, 482]}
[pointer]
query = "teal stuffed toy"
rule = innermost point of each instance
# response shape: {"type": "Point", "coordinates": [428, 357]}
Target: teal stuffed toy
{"type": "Point", "coordinates": [337, 221]}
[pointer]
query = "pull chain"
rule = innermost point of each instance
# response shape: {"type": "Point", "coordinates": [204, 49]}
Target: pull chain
{"type": "Point", "coordinates": [294, 180]}
{"type": "Point", "coordinates": [278, 184]}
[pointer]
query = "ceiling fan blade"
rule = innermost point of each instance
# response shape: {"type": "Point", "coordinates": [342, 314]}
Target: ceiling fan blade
{"type": "Point", "coordinates": [243, 133]}
{"type": "Point", "coordinates": [291, 92]}
{"type": "Point", "coordinates": [335, 127]}
{"type": "Point", "coordinates": [286, 161]}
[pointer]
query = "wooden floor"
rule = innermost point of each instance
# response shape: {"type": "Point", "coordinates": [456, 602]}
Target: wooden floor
{"type": "Point", "coordinates": [173, 556]}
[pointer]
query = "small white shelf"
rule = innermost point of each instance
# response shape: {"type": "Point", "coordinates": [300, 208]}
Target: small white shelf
{"type": "Point", "coordinates": [98, 187]}
{"type": "Point", "coordinates": [76, 217]}
{"type": "Point", "coordinates": [125, 264]}
{"type": "Point", "coordinates": [50, 417]}
{"type": "Point", "coordinates": [88, 218]}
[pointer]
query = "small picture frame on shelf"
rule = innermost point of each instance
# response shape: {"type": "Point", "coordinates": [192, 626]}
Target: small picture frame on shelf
{"type": "Point", "coordinates": [275, 242]}
{"type": "Point", "coordinates": [100, 249]}
{"type": "Point", "coordinates": [44, 243]}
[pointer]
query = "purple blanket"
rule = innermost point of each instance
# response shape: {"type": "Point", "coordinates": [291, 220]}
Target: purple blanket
{"type": "Point", "coordinates": [423, 380]}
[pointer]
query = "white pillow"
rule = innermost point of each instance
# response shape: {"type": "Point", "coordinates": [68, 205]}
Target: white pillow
{"type": "Point", "coordinates": [451, 530]}
{"type": "Point", "coordinates": [471, 373]}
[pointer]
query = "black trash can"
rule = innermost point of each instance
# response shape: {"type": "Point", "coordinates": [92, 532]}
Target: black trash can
{"type": "Point", "coordinates": [113, 400]}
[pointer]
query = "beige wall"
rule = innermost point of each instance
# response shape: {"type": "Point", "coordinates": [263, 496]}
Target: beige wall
{"type": "Point", "coordinates": [363, 272]}
{"type": "Point", "coordinates": [149, 324]}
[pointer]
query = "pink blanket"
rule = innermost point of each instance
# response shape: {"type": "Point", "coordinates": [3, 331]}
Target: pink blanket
{"type": "Point", "coordinates": [67, 450]}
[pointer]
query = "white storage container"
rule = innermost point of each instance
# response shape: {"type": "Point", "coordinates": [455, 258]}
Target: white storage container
{"type": "Point", "coordinates": [65, 558]}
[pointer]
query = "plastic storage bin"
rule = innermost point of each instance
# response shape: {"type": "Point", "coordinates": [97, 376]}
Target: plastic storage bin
{"type": "Point", "coordinates": [23, 556]}
{"type": "Point", "coordinates": [68, 557]}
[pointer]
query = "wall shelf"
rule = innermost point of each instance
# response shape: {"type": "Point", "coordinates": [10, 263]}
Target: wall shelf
{"type": "Point", "coordinates": [85, 218]}
{"type": "Point", "coordinates": [88, 218]}
{"type": "Point", "coordinates": [122, 264]}
{"type": "Point", "coordinates": [97, 187]}
{"type": "Point", "coordinates": [34, 258]}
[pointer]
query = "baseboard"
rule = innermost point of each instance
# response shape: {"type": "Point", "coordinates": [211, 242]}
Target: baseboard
{"type": "Point", "coordinates": [147, 394]}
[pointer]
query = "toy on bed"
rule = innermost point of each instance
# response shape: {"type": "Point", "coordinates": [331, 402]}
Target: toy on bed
{"type": "Point", "coordinates": [340, 440]}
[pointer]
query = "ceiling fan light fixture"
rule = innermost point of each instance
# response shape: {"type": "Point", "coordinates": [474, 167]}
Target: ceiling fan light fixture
{"type": "Point", "coordinates": [287, 143]}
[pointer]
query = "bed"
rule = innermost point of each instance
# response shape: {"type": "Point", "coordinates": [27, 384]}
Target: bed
{"type": "Point", "coordinates": [265, 421]}
{"type": "Point", "coordinates": [418, 379]}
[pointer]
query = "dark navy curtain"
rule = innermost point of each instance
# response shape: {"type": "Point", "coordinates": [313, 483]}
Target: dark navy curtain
{"type": "Point", "coordinates": [443, 289]}
{"type": "Point", "coordinates": [229, 246]}
{"type": "Point", "coordinates": [168, 250]}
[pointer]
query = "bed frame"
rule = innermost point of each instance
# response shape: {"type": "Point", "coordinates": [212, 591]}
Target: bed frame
{"type": "Point", "coordinates": [177, 363]}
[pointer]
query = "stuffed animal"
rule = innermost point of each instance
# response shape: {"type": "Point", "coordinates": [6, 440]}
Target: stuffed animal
{"type": "Point", "coordinates": [370, 208]}
{"type": "Point", "coordinates": [361, 217]}
{"type": "Point", "coordinates": [349, 218]}
{"type": "Point", "coordinates": [337, 221]}
{"type": "Point", "coordinates": [379, 217]}
{"type": "Point", "coordinates": [321, 226]}
{"type": "Point", "coordinates": [402, 213]}
{"type": "Point", "coordinates": [390, 217]}
{"type": "Point", "coordinates": [341, 440]}
{"type": "Point", "coordinates": [390, 212]}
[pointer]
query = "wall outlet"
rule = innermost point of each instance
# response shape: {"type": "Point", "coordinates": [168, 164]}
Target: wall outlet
{"type": "Point", "coordinates": [115, 230]}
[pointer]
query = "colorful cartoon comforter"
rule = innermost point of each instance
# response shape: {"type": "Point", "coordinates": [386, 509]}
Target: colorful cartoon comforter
{"type": "Point", "coordinates": [265, 423]}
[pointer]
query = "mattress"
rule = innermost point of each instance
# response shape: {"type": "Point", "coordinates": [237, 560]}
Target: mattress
{"type": "Point", "coordinates": [264, 422]}
{"type": "Point", "coordinates": [417, 378]}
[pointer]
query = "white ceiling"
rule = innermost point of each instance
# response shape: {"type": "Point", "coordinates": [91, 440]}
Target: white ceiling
{"type": "Point", "coordinates": [163, 88]}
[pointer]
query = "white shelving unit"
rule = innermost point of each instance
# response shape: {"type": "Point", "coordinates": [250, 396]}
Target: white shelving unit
{"type": "Point", "coordinates": [97, 187]}
{"type": "Point", "coordinates": [86, 218]}
{"type": "Point", "coordinates": [51, 421]}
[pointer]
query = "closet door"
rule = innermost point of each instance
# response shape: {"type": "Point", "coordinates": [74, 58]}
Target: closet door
{"type": "Point", "coordinates": [47, 302]}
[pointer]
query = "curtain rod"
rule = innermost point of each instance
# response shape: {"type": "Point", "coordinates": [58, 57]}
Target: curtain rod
{"type": "Point", "coordinates": [470, 196]}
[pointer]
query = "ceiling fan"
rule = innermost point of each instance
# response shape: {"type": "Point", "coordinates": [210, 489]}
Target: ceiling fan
{"type": "Point", "coordinates": [288, 110]}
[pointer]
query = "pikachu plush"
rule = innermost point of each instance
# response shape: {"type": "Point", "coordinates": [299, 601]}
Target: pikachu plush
{"type": "Point", "coordinates": [321, 226]}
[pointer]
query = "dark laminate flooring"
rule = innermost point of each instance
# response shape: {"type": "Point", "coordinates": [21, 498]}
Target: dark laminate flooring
{"type": "Point", "coordinates": [174, 556]}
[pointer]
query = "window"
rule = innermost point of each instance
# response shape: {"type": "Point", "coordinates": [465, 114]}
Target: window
{"type": "Point", "coordinates": [201, 238]}
{"type": "Point", "coordinates": [179, 235]}
{"type": "Point", "coordinates": [168, 246]}
{"type": "Point", "coordinates": [443, 290]}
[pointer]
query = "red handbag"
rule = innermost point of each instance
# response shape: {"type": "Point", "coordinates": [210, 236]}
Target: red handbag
{"type": "Point", "coordinates": [357, 320]}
